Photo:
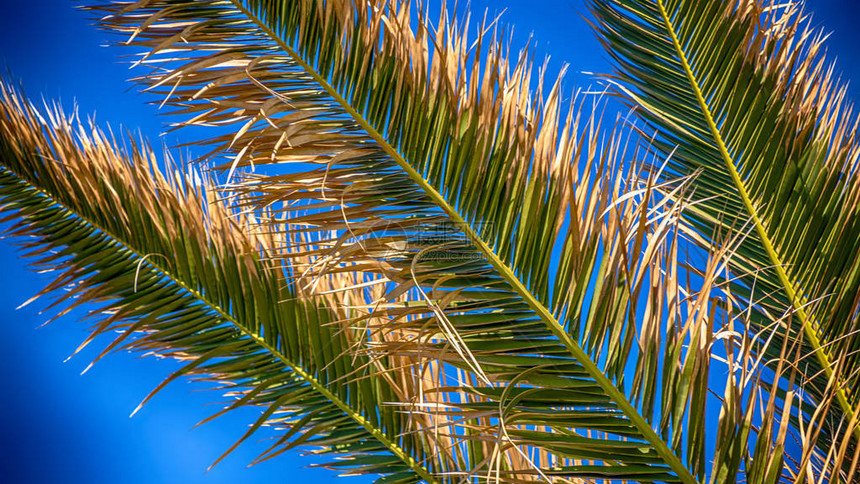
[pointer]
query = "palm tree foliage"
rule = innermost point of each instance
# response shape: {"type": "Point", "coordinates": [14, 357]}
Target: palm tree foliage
{"type": "Point", "coordinates": [163, 262]}
{"type": "Point", "coordinates": [741, 92]}
{"type": "Point", "coordinates": [420, 260]}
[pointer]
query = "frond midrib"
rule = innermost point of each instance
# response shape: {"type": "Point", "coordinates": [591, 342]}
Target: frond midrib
{"type": "Point", "coordinates": [375, 431]}
{"type": "Point", "coordinates": [505, 272]}
{"type": "Point", "coordinates": [810, 326]}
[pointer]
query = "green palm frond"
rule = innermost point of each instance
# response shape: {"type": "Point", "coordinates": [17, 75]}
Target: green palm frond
{"type": "Point", "coordinates": [424, 164]}
{"type": "Point", "coordinates": [741, 91]}
{"type": "Point", "coordinates": [175, 274]}
{"type": "Point", "coordinates": [432, 267]}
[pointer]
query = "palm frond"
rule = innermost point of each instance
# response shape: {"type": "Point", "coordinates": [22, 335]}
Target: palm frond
{"type": "Point", "coordinates": [447, 185]}
{"type": "Point", "coordinates": [176, 274]}
{"type": "Point", "coordinates": [741, 91]}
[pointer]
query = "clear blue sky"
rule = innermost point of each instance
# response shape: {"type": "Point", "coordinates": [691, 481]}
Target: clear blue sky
{"type": "Point", "coordinates": [59, 426]}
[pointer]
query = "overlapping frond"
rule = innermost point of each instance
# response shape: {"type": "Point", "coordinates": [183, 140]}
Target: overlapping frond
{"type": "Point", "coordinates": [741, 91]}
{"type": "Point", "coordinates": [421, 161]}
{"type": "Point", "coordinates": [176, 274]}
{"type": "Point", "coordinates": [428, 269]}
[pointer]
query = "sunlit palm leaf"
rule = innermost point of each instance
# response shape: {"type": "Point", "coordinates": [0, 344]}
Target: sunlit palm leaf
{"type": "Point", "coordinates": [741, 91]}
{"type": "Point", "coordinates": [437, 274]}
{"type": "Point", "coordinates": [445, 176]}
{"type": "Point", "coordinates": [176, 275]}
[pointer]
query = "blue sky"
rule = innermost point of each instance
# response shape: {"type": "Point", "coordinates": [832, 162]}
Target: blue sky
{"type": "Point", "coordinates": [59, 426]}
